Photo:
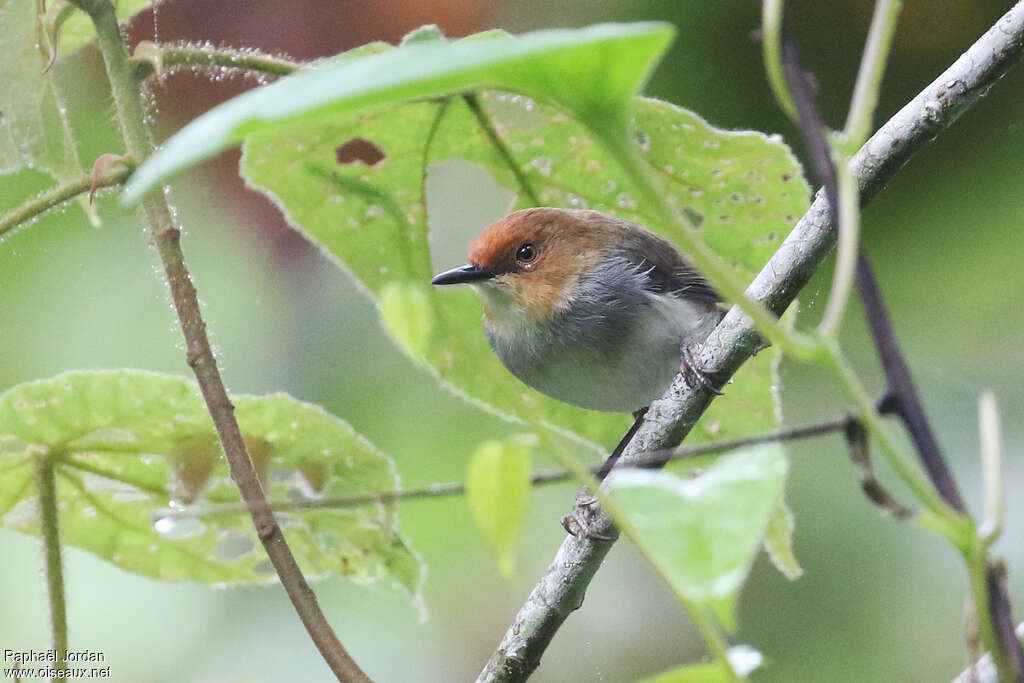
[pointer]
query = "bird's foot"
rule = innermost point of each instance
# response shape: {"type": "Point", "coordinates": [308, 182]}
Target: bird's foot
{"type": "Point", "coordinates": [578, 522]}
{"type": "Point", "coordinates": [693, 370]}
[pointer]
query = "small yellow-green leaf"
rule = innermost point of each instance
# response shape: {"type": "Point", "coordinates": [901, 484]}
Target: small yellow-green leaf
{"type": "Point", "coordinates": [406, 313]}
{"type": "Point", "coordinates": [742, 658]}
{"type": "Point", "coordinates": [702, 533]}
{"type": "Point", "coordinates": [778, 541]}
{"type": "Point", "coordinates": [498, 492]}
{"type": "Point", "coordinates": [705, 672]}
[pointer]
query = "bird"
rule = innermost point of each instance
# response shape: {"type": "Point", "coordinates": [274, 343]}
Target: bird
{"type": "Point", "coordinates": [592, 310]}
{"type": "Point", "coordinates": [588, 308]}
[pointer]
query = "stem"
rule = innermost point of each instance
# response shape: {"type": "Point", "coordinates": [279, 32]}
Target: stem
{"type": "Point", "coordinates": [846, 251]}
{"type": "Point", "coordinates": [991, 467]}
{"type": "Point", "coordinates": [901, 390]}
{"type": "Point", "coordinates": [719, 648]}
{"type": "Point", "coordinates": [984, 670]}
{"type": "Point", "coordinates": [59, 194]}
{"type": "Point", "coordinates": [473, 101]}
{"type": "Point", "coordinates": [872, 68]}
{"type": "Point", "coordinates": [983, 596]}
{"type": "Point", "coordinates": [562, 587]}
{"type": "Point", "coordinates": [455, 488]}
{"type": "Point", "coordinates": [199, 356]}
{"type": "Point", "coordinates": [900, 460]}
{"type": "Point", "coordinates": [771, 47]}
{"type": "Point", "coordinates": [159, 59]}
{"type": "Point", "coordinates": [47, 484]}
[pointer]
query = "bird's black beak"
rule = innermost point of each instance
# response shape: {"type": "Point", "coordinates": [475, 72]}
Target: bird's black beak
{"type": "Point", "coordinates": [467, 273]}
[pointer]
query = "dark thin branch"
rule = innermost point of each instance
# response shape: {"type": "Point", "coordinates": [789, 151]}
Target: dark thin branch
{"type": "Point", "coordinates": [984, 669]}
{"type": "Point", "coordinates": [454, 488]}
{"type": "Point", "coordinates": [903, 395]}
{"type": "Point", "coordinates": [902, 398]}
{"type": "Point", "coordinates": [562, 587]}
{"type": "Point", "coordinates": [1002, 620]}
{"type": "Point", "coordinates": [811, 128]}
{"type": "Point", "coordinates": [167, 237]}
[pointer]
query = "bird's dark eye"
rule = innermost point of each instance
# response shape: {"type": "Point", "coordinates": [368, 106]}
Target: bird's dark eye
{"type": "Point", "coordinates": [526, 254]}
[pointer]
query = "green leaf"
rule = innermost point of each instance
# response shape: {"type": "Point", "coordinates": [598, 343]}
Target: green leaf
{"type": "Point", "coordinates": [590, 71]}
{"type": "Point", "coordinates": [498, 493]}
{"type": "Point", "coordinates": [778, 541]}
{"type": "Point", "coordinates": [372, 219]}
{"type": "Point", "coordinates": [702, 533]}
{"type": "Point", "coordinates": [126, 445]}
{"type": "Point", "coordinates": [33, 130]}
{"type": "Point", "coordinates": [406, 313]}
{"type": "Point", "coordinates": [78, 30]}
{"type": "Point", "coordinates": [742, 658]}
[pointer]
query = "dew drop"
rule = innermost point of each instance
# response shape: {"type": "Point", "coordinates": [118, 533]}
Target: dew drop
{"type": "Point", "coordinates": [171, 526]}
{"type": "Point", "coordinates": [576, 202]}
{"type": "Point", "coordinates": [543, 165]}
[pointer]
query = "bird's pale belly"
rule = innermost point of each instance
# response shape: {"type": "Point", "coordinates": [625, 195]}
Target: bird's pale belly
{"type": "Point", "coordinates": [617, 373]}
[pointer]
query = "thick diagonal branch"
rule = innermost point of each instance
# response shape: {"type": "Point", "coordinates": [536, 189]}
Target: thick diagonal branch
{"type": "Point", "coordinates": [562, 587]}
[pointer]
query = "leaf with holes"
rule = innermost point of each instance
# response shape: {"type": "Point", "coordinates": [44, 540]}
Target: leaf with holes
{"type": "Point", "coordinates": [371, 217]}
{"type": "Point", "coordinates": [125, 445]}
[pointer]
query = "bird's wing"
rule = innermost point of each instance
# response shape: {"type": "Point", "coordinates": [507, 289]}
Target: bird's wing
{"type": "Point", "coordinates": [666, 270]}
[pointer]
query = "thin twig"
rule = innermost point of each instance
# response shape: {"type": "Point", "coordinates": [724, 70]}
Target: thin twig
{"type": "Point", "coordinates": [159, 59]}
{"type": "Point", "coordinates": [857, 443]}
{"type": "Point", "coordinates": [562, 587]}
{"type": "Point", "coordinates": [125, 91]}
{"type": "Point", "coordinates": [984, 670]}
{"type": "Point", "coordinates": [872, 67]}
{"type": "Point", "coordinates": [902, 395]}
{"type": "Point", "coordinates": [48, 518]}
{"type": "Point", "coordinates": [455, 488]}
{"type": "Point", "coordinates": [991, 449]}
{"type": "Point", "coordinates": [772, 13]}
{"type": "Point", "coordinates": [55, 196]}
{"type": "Point", "coordinates": [1002, 621]}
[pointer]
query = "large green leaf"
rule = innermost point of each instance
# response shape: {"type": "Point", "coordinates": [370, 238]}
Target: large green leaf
{"type": "Point", "coordinates": [127, 446]}
{"type": "Point", "coordinates": [372, 218]}
{"type": "Point", "coordinates": [702, 532]}
{"type": "Point", "coordinates": [590, 71]}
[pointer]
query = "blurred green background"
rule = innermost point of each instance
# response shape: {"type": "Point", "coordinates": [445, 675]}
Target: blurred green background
{"type": "Point", "coordinates": [880, 600]}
